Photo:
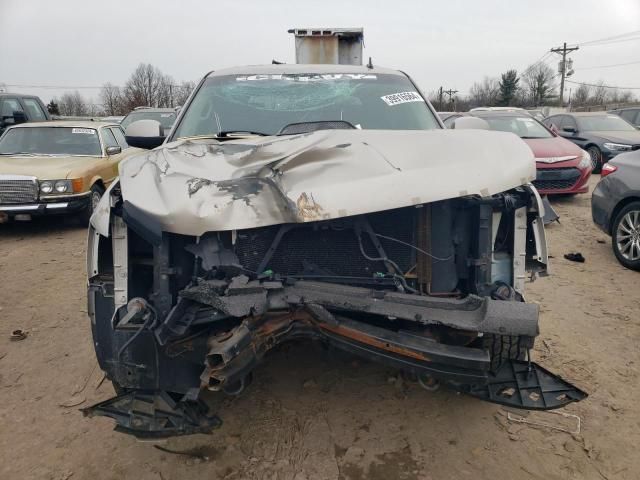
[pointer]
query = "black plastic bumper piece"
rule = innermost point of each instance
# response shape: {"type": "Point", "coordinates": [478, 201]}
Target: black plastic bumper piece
{"type": "Point", "coordinates": [149, 415]}
{"type": "Point", "coordinates": [527, 385]}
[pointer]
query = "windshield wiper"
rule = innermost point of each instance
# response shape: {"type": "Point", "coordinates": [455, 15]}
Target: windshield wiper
{"type": "Point", "coordinates": [240, 133]}
{"type": "Point", "coordinates": [20, 153]}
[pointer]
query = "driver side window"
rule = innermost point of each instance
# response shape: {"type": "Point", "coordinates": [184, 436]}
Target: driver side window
{"type": "Point", "coordinates": [7, 107]}
{"type": "Point", "coordinates": [569, 122]}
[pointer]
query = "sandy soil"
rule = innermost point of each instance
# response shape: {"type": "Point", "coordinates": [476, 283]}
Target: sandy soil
{"type": "Point", "coordinates": [313, 414]}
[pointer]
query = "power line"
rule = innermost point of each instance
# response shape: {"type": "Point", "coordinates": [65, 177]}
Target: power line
{"type": "Point", "coordinates": [613, 42]}
{"type": "Point", "coordinates": [606, 39]}
{"type": "Point", "coordinates": [542, 59]}
{"type": "Point", "coordinates": [603, 86]}
{"type": "Point", "coordinates": [608, 66]}
{"type": "Point", "coordinates": [61, 87]}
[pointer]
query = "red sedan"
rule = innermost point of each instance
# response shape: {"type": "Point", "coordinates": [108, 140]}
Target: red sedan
{"type": "Point", "coordinates": [562, 166]}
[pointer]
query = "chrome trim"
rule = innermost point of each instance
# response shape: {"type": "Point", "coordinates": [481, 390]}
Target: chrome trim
{"type": "Point", "coordinates": [556, 159]}
{"type": "Point", "coordinates": [33, 207]}
{"type": "Point", "coordinates": [18, 177]}
{"type": "Point", "coordinates": [44, 196]}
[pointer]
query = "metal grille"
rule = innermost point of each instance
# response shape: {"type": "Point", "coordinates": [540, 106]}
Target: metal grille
{"type": "Point", "coordinates": [556, 178]}
{"type": "Point", "coordinates": [18, 191]}
{"type": "Point", "coordinates": [553, 184]}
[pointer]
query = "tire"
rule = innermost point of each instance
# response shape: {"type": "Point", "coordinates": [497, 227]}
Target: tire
{"type": "Point", "coordinates": [504, 347]}
{"type": "Point", "coordinates": [94, 197]}
{"type": "Point", "coordinates": [625, 236]}
{"type": "Point", "coordinates": [596, 158]}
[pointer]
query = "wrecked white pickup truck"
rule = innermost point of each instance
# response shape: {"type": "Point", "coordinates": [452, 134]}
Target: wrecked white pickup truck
{"type": "Point", "coordinates": [294, 202]}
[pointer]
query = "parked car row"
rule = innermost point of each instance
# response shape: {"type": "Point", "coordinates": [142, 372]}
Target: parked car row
{"type": "Point", "coordinates": [603, 135]}
{"type": "Point", "coordinates": [562, 168]}
{"type": "Point", "coordinates": [567, 148]}
{"type": "Point", "coordinates": [61, 166]}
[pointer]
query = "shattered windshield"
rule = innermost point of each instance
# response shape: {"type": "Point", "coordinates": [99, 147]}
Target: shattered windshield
{"type": "Point", "coordinates": [51, 141]}
{"type": "Point", "coordinates": [267, 103]}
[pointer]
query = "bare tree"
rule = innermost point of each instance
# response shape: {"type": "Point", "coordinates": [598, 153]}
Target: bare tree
{"type": "Point", "coordinates": [72, 104]}
{"type": "Point", "coordinates": [147, 86]}
{"type": "Point", "coordinates": [111, 99]}
{"type": "Point", "coordinates": [581, 96]}
{"type": "Point", "coordinates": [599, 94]}
{"type": "Point", "coordinates": [485, 93]}
{"type": "Point", "coordinates": [539, 83]}
{"type": "Point", "coordinates": [181, 93]}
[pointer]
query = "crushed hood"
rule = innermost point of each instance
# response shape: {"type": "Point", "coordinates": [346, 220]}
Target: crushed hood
{"type": "Point", "coordinates": [192, 186]}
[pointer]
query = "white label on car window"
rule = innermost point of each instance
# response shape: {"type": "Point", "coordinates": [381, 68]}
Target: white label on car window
{"type": "Point", "coordinates": [165, 115]}
{"type": "Point", "coordinates": [307, 78]}
{"type": "Point", "coordinates": [86, 131]}
{"type": "Point", "coordinates": [402, 97]}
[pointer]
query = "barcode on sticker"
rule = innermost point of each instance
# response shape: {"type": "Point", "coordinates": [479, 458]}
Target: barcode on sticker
{"type": "Point", "coordinates": [402, 97]}
{"type": "Point", "coordinates": [86, 131]}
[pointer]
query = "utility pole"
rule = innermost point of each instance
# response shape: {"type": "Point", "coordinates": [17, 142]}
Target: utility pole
{"type": "Point", "coordinates": [440, 92]}
{"type": "Point", "coordinates": [563, 70]}
{"type": "Point", "coordinates": [451, 93]}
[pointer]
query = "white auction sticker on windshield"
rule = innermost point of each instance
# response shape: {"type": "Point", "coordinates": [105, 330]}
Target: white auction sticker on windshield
{"type": "Point", "coordinates": [86, 131]}
{"type": "Point", "coordinates": [402, 97]}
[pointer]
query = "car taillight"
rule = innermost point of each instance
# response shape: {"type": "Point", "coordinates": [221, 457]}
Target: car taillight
{"type": "Point", "coordinates": [607, 169]}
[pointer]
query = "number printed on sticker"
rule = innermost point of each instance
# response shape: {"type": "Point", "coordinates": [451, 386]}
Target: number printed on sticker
{"type": "Point", "coordinates": [401, 97]}
{"type": "Point", "coordinates": [86, 131]}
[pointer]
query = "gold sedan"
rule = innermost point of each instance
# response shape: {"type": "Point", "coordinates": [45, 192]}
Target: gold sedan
{"type": "Point", "coordinates": [58, 167]}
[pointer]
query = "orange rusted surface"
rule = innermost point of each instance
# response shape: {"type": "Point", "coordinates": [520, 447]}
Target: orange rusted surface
{"type": "Point", "coordinates": [363, 338]}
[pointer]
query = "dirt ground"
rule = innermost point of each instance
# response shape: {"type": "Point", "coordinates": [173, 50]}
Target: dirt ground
{"type": "Point", "coordinates": [315, 414]}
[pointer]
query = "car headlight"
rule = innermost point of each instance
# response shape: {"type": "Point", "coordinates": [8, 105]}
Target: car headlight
{"type": "Point", "coordinates": [54, 187]}
{"type": "Point", "coordinates": [46, 187]}
{"type": "Point", "coordinates": [63, 186]}
{"type": "Point", "coordinates": [585, 161]}
{"type": "Point", "coordinates": [617, 147]}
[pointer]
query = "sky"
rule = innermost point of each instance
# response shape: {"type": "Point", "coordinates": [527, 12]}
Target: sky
{"type": "Point", "coordinates": [68, 44]}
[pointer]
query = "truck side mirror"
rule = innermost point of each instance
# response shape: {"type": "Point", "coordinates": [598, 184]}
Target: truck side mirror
{"type": "Point", "coordinates": [145, 134]}
{"type": "Point", "coordinates": [19, 117]}
{"type": "Point", "coordinates": [473, 123]}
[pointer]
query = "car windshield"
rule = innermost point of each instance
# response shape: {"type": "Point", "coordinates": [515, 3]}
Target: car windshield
{"type": "Point", "coordinates": [267, 103]}
{"type": "Point", "coordinates": [524, 126]}
{"type": "Point", "coordinates": [604, 122]}
{"type": "Point", "coordinates": [51, 141]}
{"type": "Point", "coordinates": [166, 119]}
